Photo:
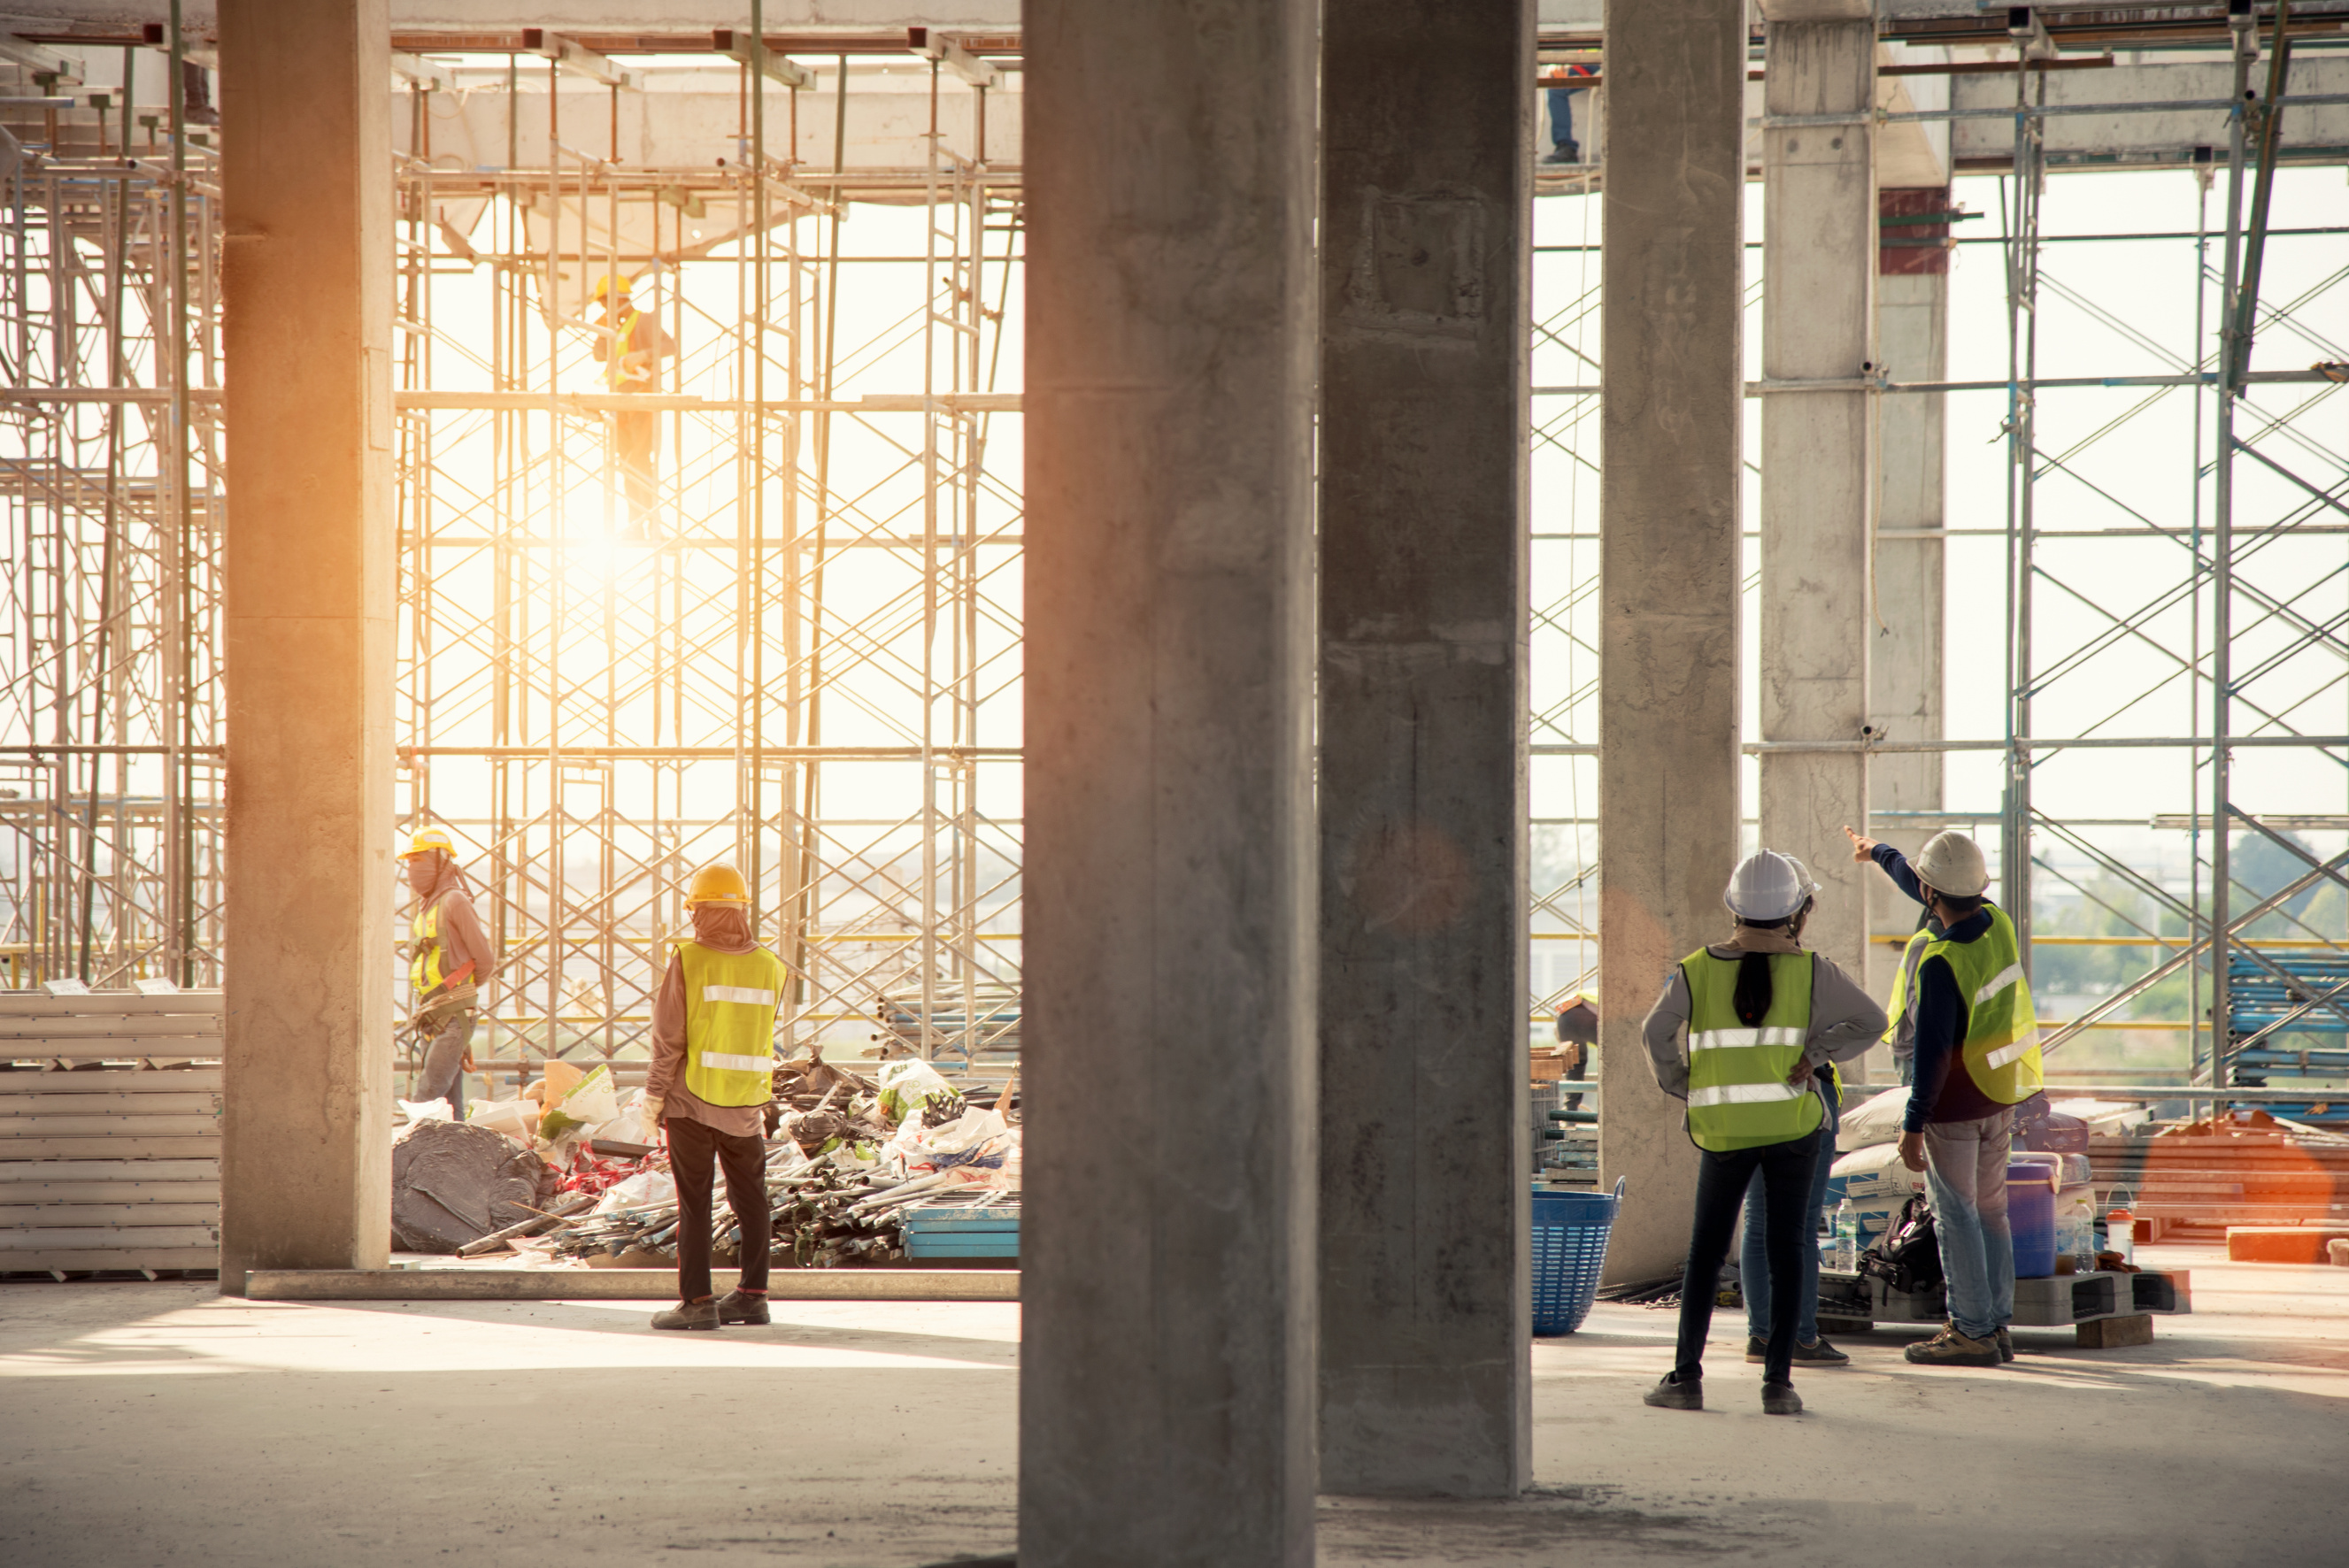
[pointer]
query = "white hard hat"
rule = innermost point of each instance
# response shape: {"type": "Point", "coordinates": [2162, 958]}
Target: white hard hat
{"type": "Point", "coordinates": [1951, 863]}
{"type": "Point", "coordinates": [1766, 885]}
{"type": "Point", "coordinates": [1809, 883]}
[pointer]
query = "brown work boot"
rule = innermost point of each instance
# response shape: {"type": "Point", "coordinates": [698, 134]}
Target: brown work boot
{"type": "Point", "coordinates": [688, 1314]}
{"type": "Point", "coordinates": [734, 1306]}
{"type": "Point", "coordinates": [1950, 1348]}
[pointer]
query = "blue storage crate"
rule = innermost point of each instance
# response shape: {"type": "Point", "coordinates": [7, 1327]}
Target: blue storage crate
{"type": "Point", "coordinates": [1570, 1250]}
{"type": "Point", "coordinates": [965, 1225]}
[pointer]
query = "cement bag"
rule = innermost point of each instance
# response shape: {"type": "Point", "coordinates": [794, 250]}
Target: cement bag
{"type": "Point", "coordinates": [1876, 1121]}
{"type": "Point", "coordinates": [517, 1118]}
{"type": "Point", "coordinates": [1875, 1184]}
{"type": "Point", "coordinates": [591, 1100]}
{"type": "Point", "coordinates": [427, 1111]}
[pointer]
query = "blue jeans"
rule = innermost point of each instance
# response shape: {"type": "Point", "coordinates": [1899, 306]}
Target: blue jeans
{"type": "Point", "coordinates": [1754, 1257]}
{"type": "Point", "coordinates": [1965, 1168]}
{"type": "Point", "coordinates": [1561, 117]}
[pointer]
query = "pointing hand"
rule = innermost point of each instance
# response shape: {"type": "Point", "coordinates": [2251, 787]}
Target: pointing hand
{"type": "Point", "coordinates": [1861, 849]}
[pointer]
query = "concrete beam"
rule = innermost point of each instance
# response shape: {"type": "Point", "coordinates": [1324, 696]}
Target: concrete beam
{"type": "Point", "coordinates": [305, 1165]}
{"type": "Point", "coordinates": [1818, 275]}
{"type": "Point", "coordinates": [1669, 565]}
{"type": "Point", "coordinates": [1426, 1358]}
{"type": "Point", "coordinates": [1167, 1385]}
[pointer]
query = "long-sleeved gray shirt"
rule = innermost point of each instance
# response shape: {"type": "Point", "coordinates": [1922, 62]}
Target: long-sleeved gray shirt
{"type": "Point", "coordinates": [462, 940]}
{"type": "Point", "coordinates": [1844, 1020]}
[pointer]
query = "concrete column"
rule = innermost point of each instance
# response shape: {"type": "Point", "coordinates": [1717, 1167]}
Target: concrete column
{"type": "Point", "coordinates": [1912, 320]}
{"type": "Point", "coordinates": [306, 1167]}
{"type": "Point", "coordinates": [1427, 122]}
{"type": "Point", "coordinates": [1818, 325]}
{"type": "Point", "coordinates": [1167, 1382]}
{"type": "Point", "coordinates": [1672, 394]}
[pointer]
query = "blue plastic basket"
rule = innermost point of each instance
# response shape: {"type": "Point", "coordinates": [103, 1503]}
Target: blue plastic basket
{"type": "Point", "coordinates": [1570, 1244]}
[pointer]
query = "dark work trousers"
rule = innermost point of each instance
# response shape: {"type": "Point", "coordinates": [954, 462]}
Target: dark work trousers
{"type": "Point", "coordinates": [1720, 1183]}
{"type": "Point", "coordinates": [444, 1063]}
{"type": "Point", "coordinates": [692, 1149]}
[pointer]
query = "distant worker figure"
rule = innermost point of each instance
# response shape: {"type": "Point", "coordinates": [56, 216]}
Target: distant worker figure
{"type": "Point", "coordinates": [449, 958]}
{"type": "Point", "coordinates": [1563, 146]}
{"type": "Point", "coordinates": [631, 355]}
{"type": "Point", "coordinates": [1964, 1004]}
{"type": "Point", "coordinates": [1762, 1016]}
{"type": "Point", "coordinates": [713, 1074]}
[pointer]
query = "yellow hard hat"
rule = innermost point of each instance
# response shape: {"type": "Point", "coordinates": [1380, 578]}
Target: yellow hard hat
{"type": "Point", "coordinates": [720, 883]}
{"type": "Point", "coordinates": [611, 283]}
{"type": "Point", "coordinates": [428, 840]}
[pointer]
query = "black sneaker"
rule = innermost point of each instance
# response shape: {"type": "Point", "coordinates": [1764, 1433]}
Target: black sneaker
{"type": "Point", "coordinates": [1670, 1393]}
{"type": "Point", "coordinates": [1780, 1400]}
{"type": "Point", "coordinates": [736, 1307]}
{"type": "Point", "coordinates": [688, 1314]}
{"type": "Point", "coordinates": [1820, 1353]}
{"type": "Point", "coordinates": [1756, 1350]}
{"type": "Point", "coordinates": [2005, 1346]}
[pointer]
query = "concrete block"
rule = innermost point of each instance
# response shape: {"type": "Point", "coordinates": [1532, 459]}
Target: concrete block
{"type": "Point", "coordinates": [2281, 1244]}
{"type": "Point", "coordinates": [2337, 1250]}
{"type": "Point", "coordinates": [2114, 1333]}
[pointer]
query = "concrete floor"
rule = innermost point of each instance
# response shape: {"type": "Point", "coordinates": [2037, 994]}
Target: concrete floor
{"type": "Point", "coordinates": [160, 1424]}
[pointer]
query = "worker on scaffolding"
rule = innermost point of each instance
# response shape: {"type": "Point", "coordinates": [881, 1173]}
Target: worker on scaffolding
{"type": "Point", "coordinates": [631, 347]}
{"type": "Point", "coordinates": [712, 1077]}
{"type": "Point", "coordinates": [448, 961]}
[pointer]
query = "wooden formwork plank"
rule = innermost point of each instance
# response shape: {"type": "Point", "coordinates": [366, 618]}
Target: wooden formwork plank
{"type": "Point", "coordinates": [65, 1215]}
{"type": "Point", "coordinates": [31, 1171]}
{"type": "Point", "coordinates": [24, 1149]}
{"type": "Point", "coordinates": [67, 1260]}
{"type": "Point", "coordinates": [74, 1124]}
{"type": "Point", "coordinates": [41, 1194]}
{"type": "Point", "coordinates": [112, 1081]}
{"type": "Point", "coordinates": [141, 1026]}
{"type": "Point", "coordinates": [106, 1103]}
{"type": "Point", "coordinates": [32, 1004]}
{"type": "Point", "coordinates": [66, 1237]}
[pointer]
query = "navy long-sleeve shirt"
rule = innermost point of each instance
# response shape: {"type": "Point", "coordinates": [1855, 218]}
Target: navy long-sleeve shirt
{"type": "Point", "coordinates": [1941, 1089]}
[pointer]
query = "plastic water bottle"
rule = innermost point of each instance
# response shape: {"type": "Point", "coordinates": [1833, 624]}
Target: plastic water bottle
{"type": "Point", "coordinates": [1847, 1239]}
{"type": "Point", "coordinates": [2120, 1228]}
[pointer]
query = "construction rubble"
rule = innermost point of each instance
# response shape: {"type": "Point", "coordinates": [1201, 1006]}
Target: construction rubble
{"type": "Point", "coordinates": [567, 1175]}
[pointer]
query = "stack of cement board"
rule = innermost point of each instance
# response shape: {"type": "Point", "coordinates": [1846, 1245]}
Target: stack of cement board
{"type": "Point", "coordinates": [109, 1132]}
{"type": "Point", "coordinates": [984, 1224]}
{"type": "Point", "coordinates": [2202, 1184]}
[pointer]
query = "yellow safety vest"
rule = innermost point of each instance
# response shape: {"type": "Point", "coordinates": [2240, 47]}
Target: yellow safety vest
{"type": "Point", "coordinates": [2002, 1046]}
{"type": "Point", "coordinates": [621, 346]}
{"type": "Point", "coordinates": [427, 969]}
{"type": "Point", "coordinates": [729, 1024]}
{"type": "Point", "coordinates": [1738, 1094]}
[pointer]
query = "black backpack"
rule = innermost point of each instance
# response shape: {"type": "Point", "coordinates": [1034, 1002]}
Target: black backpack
{"type": "Point", "coordinates": [1907, 1256]}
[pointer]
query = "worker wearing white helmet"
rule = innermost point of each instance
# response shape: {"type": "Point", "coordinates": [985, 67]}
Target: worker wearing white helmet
{"type": "Point", "coordinates": [1963, 1017]}
{"type": "Point", "coordinates": [447, 959]}
{"type": "Point", "coordinates": [712, 1079]}
{"type": "Point", "coordinates": [1763, 1015]}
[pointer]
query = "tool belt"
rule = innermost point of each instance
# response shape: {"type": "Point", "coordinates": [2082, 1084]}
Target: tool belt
{"type": "Point", "coordinates": [444, 1008]}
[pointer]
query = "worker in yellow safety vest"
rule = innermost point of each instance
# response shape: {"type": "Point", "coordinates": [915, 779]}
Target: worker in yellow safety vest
{"type": "Point", "coordinates": [1763, 1017]}
{"type": "Point", "coordinates": [631, 346]}
{"type": "Point", "coordinates": [713, 1074]}
{"type": "Point", "coordinates": [448, 960]}
{"type": "Point", "coordinates": [1961, 1005]}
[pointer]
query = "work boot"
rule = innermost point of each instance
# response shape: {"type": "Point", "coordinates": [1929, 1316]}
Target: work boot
{"type": "Point", "coordinates": [1820, 1353]}
{"type": "Point", "coordinates": [2005, 1344]}
{"type": "Point", "coordinates": [1780, 1400]}
{"type": "Point", "coordinates": [1951, 1348]}
{"type": "Point", "coordinates": [688, 1314]}
{"type": "Point", "coordinates": [736, 1307]}
{"type": "Point", "coordinates": [1671, 1394]}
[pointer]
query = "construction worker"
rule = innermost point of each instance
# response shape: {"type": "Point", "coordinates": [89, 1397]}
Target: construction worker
{"type": "Point", "coordinates": [630, 352]}
{"type": "Point", "coordinates": [449, 958]}
{"type": "Point", "coordinates": [1811, 1348]}
{"type": "Point", "coordinates": [713, 1074]}
{"type": "Point", "coordinates": [1762, 1017]}
{"type": "Point", "coordinates": [1962, 1007]}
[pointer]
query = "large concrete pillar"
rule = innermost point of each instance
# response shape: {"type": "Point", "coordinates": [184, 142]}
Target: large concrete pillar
{"type": "Point", "coordinates": [306, 1167]}
{"type": "Point", "coordinates": [1913, 324]}
{"type": "Point", "coordinates": [1427, 121]}
{"type": "Point", "coordinates": [1166, 1386]}
{"type": "Point", "coordinates": [1672, 393]}
{"type": "Point", "coordinates": [1818, 480]}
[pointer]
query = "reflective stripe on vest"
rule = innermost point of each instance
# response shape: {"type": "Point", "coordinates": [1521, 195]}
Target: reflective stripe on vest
{"type": "Point", "coordinates": [730, 1023]}
{"type": "Point", "coordinates": [1901, 1023]}
{"type": "Point", "coordinates": [623, 344]}
{"type": "Point", "coordinates": [2001, 1043]}
{"type": "Point", "coordinates": [425, 972]}
{"type": "Point", "coordinates": [1738, 1094]}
